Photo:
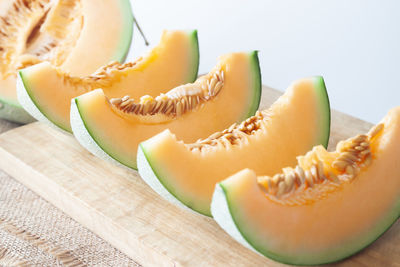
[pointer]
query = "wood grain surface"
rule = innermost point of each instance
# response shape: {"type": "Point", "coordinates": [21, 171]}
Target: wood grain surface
{"type": "Point", "coordinates": [6, 125]}
{"type": "Point", "coordinates": [116, 204]}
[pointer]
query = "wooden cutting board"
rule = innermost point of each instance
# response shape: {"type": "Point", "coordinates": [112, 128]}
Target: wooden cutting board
{"type": "Point", "coordinates": [117, 205]}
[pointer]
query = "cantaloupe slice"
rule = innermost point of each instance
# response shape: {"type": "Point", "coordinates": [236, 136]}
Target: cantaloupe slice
{"type": "Point", "coordinates": [78, 36]}
{"type": "Point", "coordinates": [113, 129]}
{"type": "Point", "coordinates": [331, 205]}
{"type": "Point", "coordinates": [46, 92]}
{"type": "Point", "coordinates": [268, 141]}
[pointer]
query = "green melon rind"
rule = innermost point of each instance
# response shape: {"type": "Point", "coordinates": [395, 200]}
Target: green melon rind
{"type": "Point", "coordinates": [223, 212]}
{"type": "Point", "coordinates": [195, 55]}
{"type": "Point", "coordinates": [14, 111]}
{"type": "Point", "coordinates": [146, 160]}
{"type": "Point", "coordinates": [84, 137]}
{"type": "Point", "coordinates": [151, 176]}
{"type": "Point", "coordinates": [29, 104]}
{"type": "Point", "coordinates": [128, 22]}
{"type": "Point", "coordinates": [325, 110]}
{"type": "Point", "coordinates": [257, 83]}
{"type": "Point", "coordinates": [147, 173]}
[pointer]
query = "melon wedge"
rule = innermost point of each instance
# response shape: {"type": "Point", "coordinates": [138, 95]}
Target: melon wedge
{"type": "Point", "coordinates": [46, 92]}
{"type": "Point", "coordinates": [331, 205]}
{"type": "Point", "coordinates": [268, 141]}
{"type": "Point", "coordinates": [113, 129]}
{"type": "Point", "coordinates": [77, 36]}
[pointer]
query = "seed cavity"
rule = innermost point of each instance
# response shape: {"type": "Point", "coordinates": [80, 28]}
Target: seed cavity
{"type": "Point", "coordinates": [104, 77]}
{"type": "Point", "coordinates": [291, 180]}
{"type": "Point", "coordinates": [235, 135]}
{"type": "Point", "coordinates": [355, 152]}
{"type": "Point", "coordinates": [298, 186]}
{"type": "Point", "coordinates": [177, 101]}
{"type": "Point", "coordinates": [30, 33]}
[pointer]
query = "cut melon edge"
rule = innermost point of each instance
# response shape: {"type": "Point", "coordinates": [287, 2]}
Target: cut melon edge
{"type": "Point", "coordinates": [221, 211]}
{"type": "Point", "coordinates": [149, 176]}
{"type": "Point", "coordinates": [129, 21]}
{"type": "Point", "coordinates": [84, 137]}
{"type": "Point", "coordinates": [29, 106]}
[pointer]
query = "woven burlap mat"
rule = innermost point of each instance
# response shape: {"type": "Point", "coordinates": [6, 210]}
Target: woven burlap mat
{"type": "Point", "coordinates": [35, 233]}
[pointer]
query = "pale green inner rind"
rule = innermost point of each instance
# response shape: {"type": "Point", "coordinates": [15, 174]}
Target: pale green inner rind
{"type": "Point", "coordinates": [127, 33]}
{"type": "Point", "coordinates": [338, 252]}
{"type": "Point", "coordinates": [105, 146]}
{"type": "Point", "coordinates": [325, 110]}
{"type": "Point", "coordinates": [167, 184]}
{"type": "Point", "coordinates": [24, 74]}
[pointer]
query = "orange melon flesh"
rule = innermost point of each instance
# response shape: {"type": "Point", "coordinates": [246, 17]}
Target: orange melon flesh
{"type": "Point", "coordinates": [323, 230]}
{"type": "Point", "coordinates": [105, 36]}
{"type": "Point", "coordinates": [297, 121]}
{"type": "Point", "coordinates": [104, 131]}
{"type": "Point", "coordinates": [45, 92]}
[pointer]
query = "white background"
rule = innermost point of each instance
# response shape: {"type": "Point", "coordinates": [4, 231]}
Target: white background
{"type": "Point", "coordinates": [354, 44]}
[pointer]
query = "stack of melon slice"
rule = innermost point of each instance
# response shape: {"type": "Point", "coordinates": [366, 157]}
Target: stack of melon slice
{"type": "Point", "coordinates": [114, 128]}
{"type": "Point", "coordinates": [264, 176]}
{"type": "Point", "coordinates": [45, 91]}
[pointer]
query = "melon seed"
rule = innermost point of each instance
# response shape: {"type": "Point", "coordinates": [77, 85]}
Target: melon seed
{"type": "Point", "coordinates": [301, 174]}
{"type": "Point", "coordinates": [375, 130]}
{"type": "Point", "coordinates": [360, 138]}
{"type": "Point", "coordinates": [177, 101]}
{"type": "Point", "coordinates": [281, 189]}
{"type": "Point", "coordinates": [368, 160]}
{"type": "Point", "coordinates": [289, 180]}
{"type": "Point", "coordinates": [320, 170]}
{"type": "Point", "coordinates": [116, 101]}
{"type": "Point", "coordinates": [350, 170]}
{"type": "Point", "coordinates": [309, 178]}
{"type": "Point", "coordinates": [339, 164]}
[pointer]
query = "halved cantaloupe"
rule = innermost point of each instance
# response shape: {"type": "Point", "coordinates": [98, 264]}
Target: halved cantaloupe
{"type": "Point", "coordinates": [113, 129]}
{"type": "Point", "coordinates": [331, 205]}
{"type": "Point", "coordinates": [268, 141]}
{"type": "Point", "coordinates": [78, 36]}
{"type": "Point", "coordinates": [46, 92]}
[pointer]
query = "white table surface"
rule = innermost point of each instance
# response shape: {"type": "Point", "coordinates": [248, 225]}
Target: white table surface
{"type": "Point", "coordinates": [354, 44]}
